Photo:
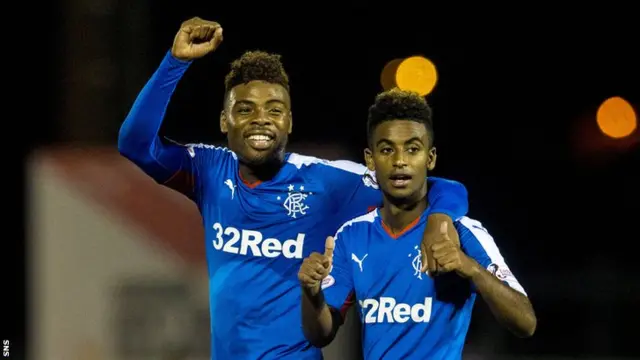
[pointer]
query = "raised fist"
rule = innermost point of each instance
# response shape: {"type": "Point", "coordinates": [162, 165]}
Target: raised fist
{"type": "Point", "coordinates": [196, 38]}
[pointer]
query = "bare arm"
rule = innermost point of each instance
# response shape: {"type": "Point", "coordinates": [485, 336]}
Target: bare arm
{"type": "Point", "coordinates": [319, 323]}
{"type": "Point", "coordinates": [511, 309]}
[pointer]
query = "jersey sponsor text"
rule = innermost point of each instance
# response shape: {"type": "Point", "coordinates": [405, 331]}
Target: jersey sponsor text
{"type": "Point", "coordinates": [250, 242]}
{"type": "Point", "coordinates": [388, 310]}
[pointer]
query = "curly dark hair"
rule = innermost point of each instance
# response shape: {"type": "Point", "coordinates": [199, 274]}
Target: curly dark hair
{"type": "Point", "coordinates": [256, 65]}
{"type": "Point", "coordinates": [396, 104]}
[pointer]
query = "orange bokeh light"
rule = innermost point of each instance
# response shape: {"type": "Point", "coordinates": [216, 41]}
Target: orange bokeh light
{"type": "Point", "coordinates": [616, 118]}
{"type": "Point", "coordinates": [388, 75]}
{"type": "Point", "coordinates": [417, 74]}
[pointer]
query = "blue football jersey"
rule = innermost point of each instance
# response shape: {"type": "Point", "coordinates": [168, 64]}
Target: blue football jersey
{"type": "Point", "coordinates": [256, 236]}
{"type": "Point", "coordinates": [406, 314]}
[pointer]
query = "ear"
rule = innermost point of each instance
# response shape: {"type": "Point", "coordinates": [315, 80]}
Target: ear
{"type": "Point", "coordinates": [368, 159]}
{"type": "Point", "coordinates": [224, 127]}
{"type": "Point", "coordinates": [431, 159]}
{"type": "Point", "coordinates": [290, 122]}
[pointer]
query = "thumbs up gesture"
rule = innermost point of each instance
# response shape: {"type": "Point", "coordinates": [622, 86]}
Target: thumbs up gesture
{"type": "Point", "coordinates": [316, 267]}
{"type": "Point", "coordinates": [448, 255]}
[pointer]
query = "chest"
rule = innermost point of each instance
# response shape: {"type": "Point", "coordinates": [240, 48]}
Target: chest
{"type": "Point", "coordinates": [391, 286]}
{"type": "Point", "coordinates": [382, 266]}
{"type": "Point", "coordinates": [292, 201]}
{"type": "Point", "coordinates": [289, 216]}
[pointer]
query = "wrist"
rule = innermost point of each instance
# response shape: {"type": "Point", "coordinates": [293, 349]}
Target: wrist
{"type": "Point", "coordinates": [174, 60]}
{"type": "Point", "coordinates": [314, 294]}
{"type": "Point", "coordinates": [311, 290]}
{"type": "Point", "coordinates": [474, 270]}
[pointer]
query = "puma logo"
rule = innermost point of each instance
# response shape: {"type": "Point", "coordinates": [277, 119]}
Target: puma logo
{"type": "Point", "coordinates": [232, 187]}
{"type": "Point", "coordinates": [359, 261]}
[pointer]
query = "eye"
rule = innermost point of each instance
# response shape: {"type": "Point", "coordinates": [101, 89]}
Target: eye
{"type": "Point", "coordinates": [276, 111]}
{"type": "Point", "coordinates": [413, 149]}
{"type": "Point", "coordinates": [244, 110]}
{"type": "Point", "coordinates": [386, 150]}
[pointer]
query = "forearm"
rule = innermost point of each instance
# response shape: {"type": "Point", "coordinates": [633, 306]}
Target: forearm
{"type": "Point", "coordinates": [317, 320]}
{"type": "Point", "coordinates": [511, 308]}
{"type": "Point", "coordinates": [138, 138]}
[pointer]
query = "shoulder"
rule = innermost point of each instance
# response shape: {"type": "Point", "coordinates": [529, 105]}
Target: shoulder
{"type": "Point", "coordinates": [473, 234]}
{"type": "Point", "coordinates": [357, 225]}
{"type": "Point", "coordinates": [342, 173]}
{"type": "Point", "coordinates": [194, 149]}
{"type": "Point", "coordinates": [311, 162]}
{"type": "Point", "coordinates": [201, 150]}
{"type": "Point", "coordinates": [471, 226]}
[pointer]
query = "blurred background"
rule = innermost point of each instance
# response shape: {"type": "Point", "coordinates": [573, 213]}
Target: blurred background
{"type": "Point", "coordinates": [536, 115]}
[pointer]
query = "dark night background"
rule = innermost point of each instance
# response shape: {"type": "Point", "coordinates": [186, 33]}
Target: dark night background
{"type": "Point", "coordinates": [514, 113]}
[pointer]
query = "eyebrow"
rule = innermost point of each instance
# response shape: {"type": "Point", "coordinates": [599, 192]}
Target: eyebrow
{"type": "Point", "coordinates": [249, 102]}
{"type": "Point", "coordinates": [387, 141]}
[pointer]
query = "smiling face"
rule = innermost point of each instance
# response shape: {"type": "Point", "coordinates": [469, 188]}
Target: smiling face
{"type": "Point", "coordinates": [257, 109]}
{"type": "Point", "coordinates": [257, 121]}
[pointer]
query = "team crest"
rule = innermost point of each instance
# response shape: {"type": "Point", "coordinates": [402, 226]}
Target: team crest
{"type": "Point", "coordinates": [416, 263]}
{"type": "Point", "coordinates": [294, 203]}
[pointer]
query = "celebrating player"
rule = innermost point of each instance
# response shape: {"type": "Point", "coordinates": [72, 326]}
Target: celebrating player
{"type": "Point", "coordinates": [263, 210]}
{"type": "Point", "coordinates": [376, 257]}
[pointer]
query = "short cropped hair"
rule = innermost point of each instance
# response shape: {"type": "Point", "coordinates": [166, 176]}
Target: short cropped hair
{"type": "Point", "coordinates": [396, 104]}
{"type": "Point", "coordinates": [256, 65]}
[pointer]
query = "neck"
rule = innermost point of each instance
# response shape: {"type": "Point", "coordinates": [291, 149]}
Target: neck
{"type": "Point", "coordinates": [397, 214]}
{"type": "Point", "coordinates": [257, 173]}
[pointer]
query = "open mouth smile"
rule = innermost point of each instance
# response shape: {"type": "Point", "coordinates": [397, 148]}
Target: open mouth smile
{"type": "Point", "coordinates": [259, 140]}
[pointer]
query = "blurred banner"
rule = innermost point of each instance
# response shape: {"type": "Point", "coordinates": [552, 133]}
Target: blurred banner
{"type": "Point", "coordinates": [117, 264]}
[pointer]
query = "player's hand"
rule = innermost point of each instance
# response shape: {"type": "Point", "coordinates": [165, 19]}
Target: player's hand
{"type": "Point", "coordinates": [316, 267]}
{"type": "Point", "coordinates": [449, 256]}
{"type": "Point", "coordinates": [433, 235]}
{"type": "Point", "coordinates": [196, 38]}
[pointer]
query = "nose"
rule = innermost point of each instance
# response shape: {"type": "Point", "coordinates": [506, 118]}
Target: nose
{"type": "Point", "coordinates": [261, 119]}
{"type": "Point", "coordinates": [399, 159]}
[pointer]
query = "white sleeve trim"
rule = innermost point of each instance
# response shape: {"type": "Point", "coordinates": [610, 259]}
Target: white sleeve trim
{"type": "Point", "coordinates": [498, 266]}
